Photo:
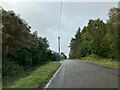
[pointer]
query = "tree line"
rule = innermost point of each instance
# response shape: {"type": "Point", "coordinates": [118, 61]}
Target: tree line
{"type": "Point", "coordinates": [22, 50]}
{"type": "Point", "coordinates": [98, 38]}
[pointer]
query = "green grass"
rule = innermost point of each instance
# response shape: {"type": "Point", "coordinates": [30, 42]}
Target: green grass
{"type": "Point", "coordinates": [103, 61]}
{"type": "Point", "coordinates": [37, 78]}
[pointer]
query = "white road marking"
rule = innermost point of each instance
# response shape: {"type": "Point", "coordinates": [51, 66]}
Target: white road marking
{"type": "Point", "coordinates": [53, 77]}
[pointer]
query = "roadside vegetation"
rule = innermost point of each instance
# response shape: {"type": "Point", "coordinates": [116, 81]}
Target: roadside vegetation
{"type": "Point", "coordinates": [98, 38]}
{"type": "Point", "coordinates": [39, 77]}
{"type": "Point", "coordinates": [23, 51]}
{"type": "Point", "coordinates": [108, 62]}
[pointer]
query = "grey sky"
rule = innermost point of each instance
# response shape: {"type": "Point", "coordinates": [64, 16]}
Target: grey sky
{"type": "Point", "coordinates": [43, 17]}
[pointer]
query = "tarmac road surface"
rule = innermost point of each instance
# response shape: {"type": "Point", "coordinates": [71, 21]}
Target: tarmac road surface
{"type": "Point", "coordinates": [80, 74]}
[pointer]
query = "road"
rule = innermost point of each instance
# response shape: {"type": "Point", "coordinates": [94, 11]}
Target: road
{"type": "Point", "coordinates": [80, 74]}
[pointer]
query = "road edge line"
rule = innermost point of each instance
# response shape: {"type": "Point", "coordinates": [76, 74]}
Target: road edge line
{"type": "Point", "coordinates": [53, 77]}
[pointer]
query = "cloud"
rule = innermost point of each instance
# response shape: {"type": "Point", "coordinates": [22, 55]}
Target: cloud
{"type": "Point", "coordinates": [43, 17]}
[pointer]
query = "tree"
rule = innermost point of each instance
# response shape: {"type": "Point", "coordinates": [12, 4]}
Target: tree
{"type": "Point", "coordinates": [74, 45]}
{"type": "Point", "coordinates": [113, 32]}
{"type": "Point", "coordinates": [99, 38]}
{"type": "Point", "coordinates": [20, 47]}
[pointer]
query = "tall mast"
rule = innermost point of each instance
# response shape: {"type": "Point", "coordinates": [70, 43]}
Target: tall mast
{"type": "Point", "coordinates": [59, 28]}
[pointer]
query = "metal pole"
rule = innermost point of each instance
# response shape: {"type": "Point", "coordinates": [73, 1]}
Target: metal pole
{"type": "Point", "coordinates": [59, 28]}
{"type": "Point", "coordinates": [59, 44]}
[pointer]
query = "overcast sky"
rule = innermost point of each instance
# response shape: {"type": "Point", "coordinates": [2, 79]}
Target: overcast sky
{"type": "Point", "coordinates": [43, 17]}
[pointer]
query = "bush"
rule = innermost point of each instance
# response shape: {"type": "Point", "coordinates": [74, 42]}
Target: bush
{"type": "Point", "coordinates": [10, 69]}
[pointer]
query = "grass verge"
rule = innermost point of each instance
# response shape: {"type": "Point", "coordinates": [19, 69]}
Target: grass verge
{"type": "Point", "coordinates": [37, 78]}
{"type": "Point", "coordinates": [103, 61]}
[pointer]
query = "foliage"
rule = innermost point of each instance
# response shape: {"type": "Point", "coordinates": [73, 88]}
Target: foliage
{"type": "Point", "coordinates": [22, 49]}
{"type": "Point", "coordinates": [63, 56]}
{"type": "Point", "coordinates": [102, 39]}
{"type": "Point", "coordinates": [38, 77]}
{"type": "Point", "coordinates": [74, 45]}
{"type": "Point", "coordinates": [107, 62]}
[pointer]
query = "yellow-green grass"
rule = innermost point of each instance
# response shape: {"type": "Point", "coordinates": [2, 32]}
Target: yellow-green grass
{"type": "Point", "coordinates": [37, 78]}
{"type": "Point", "coordinates": [103, 61]}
